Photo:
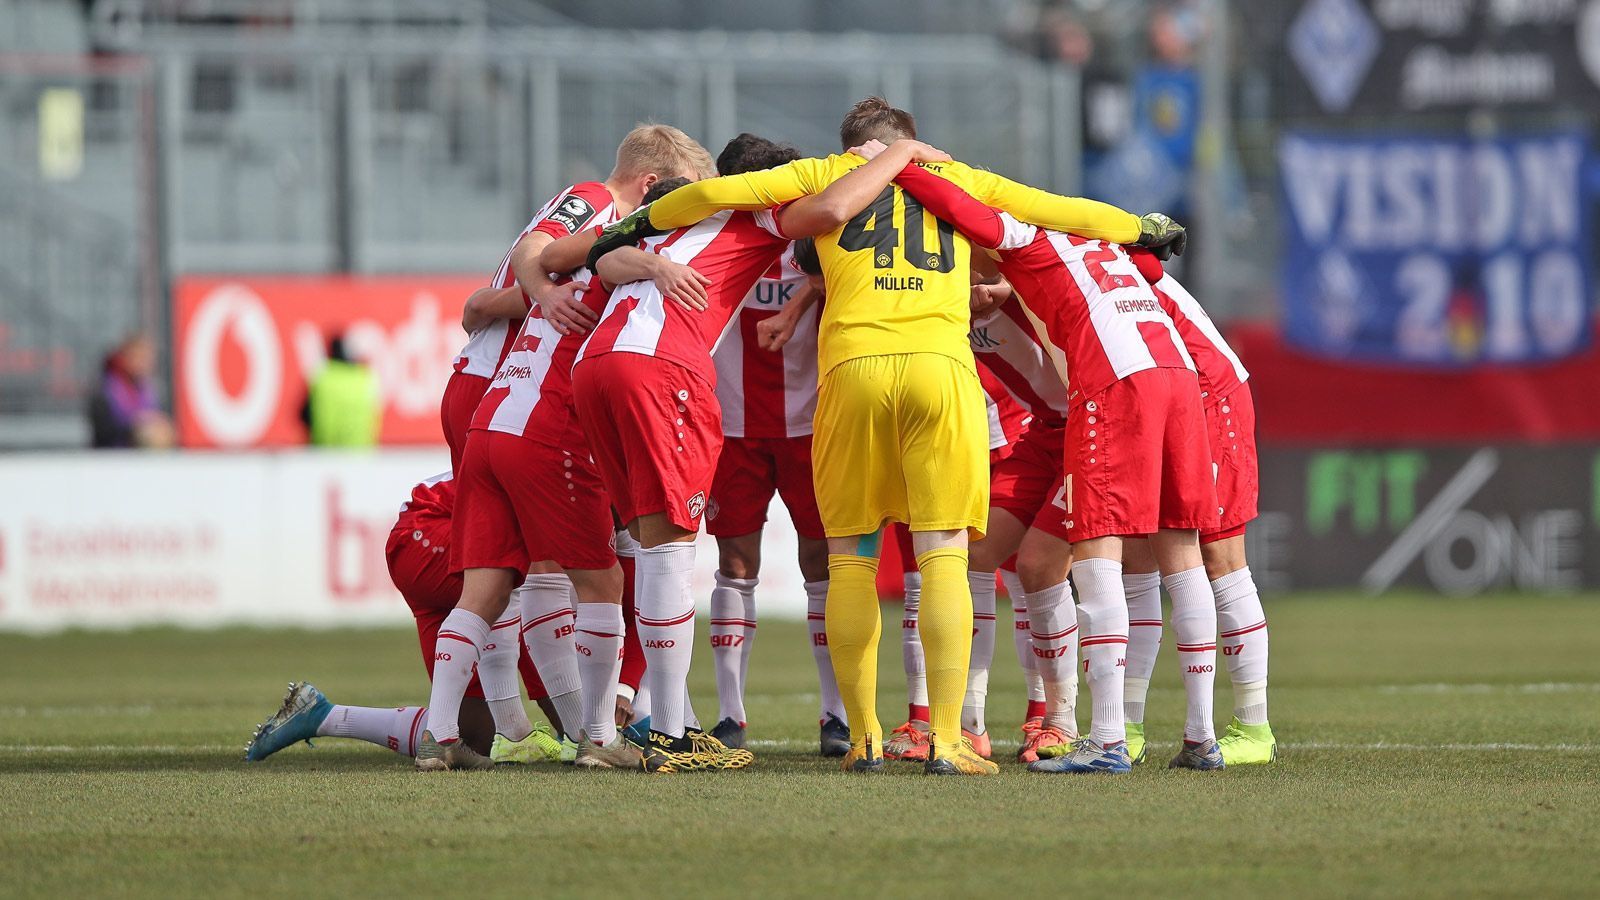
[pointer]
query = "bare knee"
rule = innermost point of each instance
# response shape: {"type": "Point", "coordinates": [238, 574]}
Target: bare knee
{"type": "Point", "coordinates": [1042, 561]}
{"type": "Point", "coordinates": [740, 557]}
{"type": "Point", "coordinates": [813, 559]}
{"type": "Point", "coordinates": [1223, 557]}
{"type": "Point", "coordinates": [1138, 558]}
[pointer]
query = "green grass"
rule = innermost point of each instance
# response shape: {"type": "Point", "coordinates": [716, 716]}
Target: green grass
{"type": "Point", "coordinates": [1429, 747]}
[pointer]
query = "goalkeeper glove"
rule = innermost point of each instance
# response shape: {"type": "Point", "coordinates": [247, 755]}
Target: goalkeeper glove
{"type": "Point", "coordinates": [1165, 237]}
{"type": "Point", "coordinates": [626, 232]}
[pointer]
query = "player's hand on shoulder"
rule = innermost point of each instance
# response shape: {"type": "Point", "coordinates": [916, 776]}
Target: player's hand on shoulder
{"type": "Point", "coordinates": [870, 150]}
{"type": "Point", "coordinates": [925, 153]}
{"type": "Point", "coordinates": [560, 306]}
{"type": "Point", "coordinates": [627, 231]}
{"type": "Point", "coordinates": [1163, 235]}
{"type": "Point", "coordinates": [682, 284]}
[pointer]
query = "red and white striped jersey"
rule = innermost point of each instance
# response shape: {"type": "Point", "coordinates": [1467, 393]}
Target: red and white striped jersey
{"type": "Point", "coordinates": [587, 203]}
{"type": "Point", "coordinates": [531, 394]}
{"type": "Point", "coordinates": [1008, 419]}
{"type": "Point", "coordinates": [1094, 304]}
{"type": "Point", "coordinates": [733, 249]}
{"type": "Point", "coordinates": [433, 496]}
{"type": "Point", "coordinates": [1220, 370]}
{"type": "Point", "coordinates": [1006, 343]}
{"type": "Point", "coordinates": [766, 394]}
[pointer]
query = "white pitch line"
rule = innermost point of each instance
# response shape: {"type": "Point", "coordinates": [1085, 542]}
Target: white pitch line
{"type": "Point", "coordinates": [63, 712]}
{"type": "Point", "coordinates": [1548, 687]}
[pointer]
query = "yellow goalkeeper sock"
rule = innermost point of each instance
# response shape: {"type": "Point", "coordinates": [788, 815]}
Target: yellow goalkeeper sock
{"type": "Point", "coordinates": [854, 623]}
{"type": "Point", "coordinates": [945, 625]}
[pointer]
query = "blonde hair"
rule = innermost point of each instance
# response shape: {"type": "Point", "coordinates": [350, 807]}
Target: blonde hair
{"type": "Point", "coordinates": [663, 151]}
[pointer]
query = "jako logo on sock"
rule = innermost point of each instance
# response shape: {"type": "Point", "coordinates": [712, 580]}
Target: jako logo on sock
{"type": "Point", "coordinates": [660, 645]}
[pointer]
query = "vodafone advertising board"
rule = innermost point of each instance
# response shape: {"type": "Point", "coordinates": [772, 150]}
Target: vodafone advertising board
{"type": "Point", "coordinates": [246, 346]}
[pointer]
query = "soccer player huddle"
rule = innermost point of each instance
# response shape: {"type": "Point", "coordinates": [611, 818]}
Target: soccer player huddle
{"type": "Point", "coordinates": [672, 347]}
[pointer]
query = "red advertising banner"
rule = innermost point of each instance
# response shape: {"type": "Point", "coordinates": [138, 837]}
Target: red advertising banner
{"type": "Point", "coordinates": [245, 347]}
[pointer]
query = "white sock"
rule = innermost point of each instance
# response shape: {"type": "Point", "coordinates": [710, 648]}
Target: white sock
{"type": "Point", "coordinates": [1103, 621]}
{"type": "Point", "coordinates": [598, 641]}
{"type": "Point", "coordinates": [732, 630]}
{"type": "Point", "coordinates": [547, 626]}
{"type": "Point", "coordinates": [1144, 639]}
{"type": "Point", "coordinates": [666, 628]}
{"type": "Point", "coordinates": [983, 619]}
{"type": "Point", "coordinates": [497, 673]}
{"type": "Point", "coordinates": [641, 702]}
{"type": "Point", "coordinates": [1021, 638]}
{"type": "Point", "coordinates": [911, 644]}
{"type": "Point", "coordinates": [1055, 651]}
{"type": "Point", "coordinates": [817, 624]}
{"type": "Point", "coordinates": [455, 656]}
{"type": "Point", "coordinates": [1194, 631]}
{"type": "Point", "coordinates": [1243, 626]}
{"type": "Point", "coordinates": [690, 720]}
{"type": "Point", "coordinates": [394, 727]}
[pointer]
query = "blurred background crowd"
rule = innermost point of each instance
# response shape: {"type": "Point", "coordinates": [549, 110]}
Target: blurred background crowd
{"type": "Point", "coordinates": [1391, 203]}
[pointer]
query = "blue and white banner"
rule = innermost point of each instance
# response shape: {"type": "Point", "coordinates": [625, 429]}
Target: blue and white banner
{"type": "Point", "coordinates": [1437, 250]}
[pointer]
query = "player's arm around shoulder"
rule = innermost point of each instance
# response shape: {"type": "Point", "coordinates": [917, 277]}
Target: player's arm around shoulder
{"type": "Point", "coordinates": [855, 189]}
{"type": "Point", "coordinates": [489, 303]}
{"type": "Point", "coordinates": [1078, 215]}
{"type": "Point", "coordinates": [677, 282]}
{"type": "Point", "coordinates": [747, 191]}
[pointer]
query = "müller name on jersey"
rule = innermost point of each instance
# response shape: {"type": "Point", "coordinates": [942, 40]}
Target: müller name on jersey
{"type": "Point", "coordinates": [891, 283]}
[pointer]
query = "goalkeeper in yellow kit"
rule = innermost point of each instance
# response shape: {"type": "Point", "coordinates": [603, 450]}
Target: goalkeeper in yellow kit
{"type": "Point", "coordinates": [901, 427]}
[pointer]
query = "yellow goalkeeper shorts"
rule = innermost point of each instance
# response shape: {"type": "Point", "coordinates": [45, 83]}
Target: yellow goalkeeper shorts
{"type": "Point", "coordinates": [901, 437]}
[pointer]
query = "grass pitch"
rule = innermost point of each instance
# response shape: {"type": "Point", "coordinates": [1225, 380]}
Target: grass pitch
{"type": "Point", "coordinates": [1428, 747]}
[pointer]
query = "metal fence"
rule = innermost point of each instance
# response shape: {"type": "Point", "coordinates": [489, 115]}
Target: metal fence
{"type": "Point", "coordinates": [221, 149]}
{"type": "Point", "coordinates": [411, 157]}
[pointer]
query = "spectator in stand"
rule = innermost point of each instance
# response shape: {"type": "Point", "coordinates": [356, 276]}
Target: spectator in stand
{"type": "Point", "coordinates": [343, 406]}
{"type": "Point", "coordinates": [124, 410]}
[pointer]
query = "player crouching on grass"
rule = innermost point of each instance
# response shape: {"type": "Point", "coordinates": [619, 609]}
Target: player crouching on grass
{"type": "Point", "coordinates": [645, 386]}
{"type": "Point", "coordinates": [418, 555]}
{"type": "Point", "coordinates": [1137, 458]}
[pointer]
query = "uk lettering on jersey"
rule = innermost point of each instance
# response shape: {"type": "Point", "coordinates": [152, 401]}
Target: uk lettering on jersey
{"type": "Point", "coordinates": [1007, 418]}
{"type": "Point", "coordinates": [434, 495]}
{"type": "Point", "coordinates": [1094, 304]}
{"type": "Point", "coordinates": [586, 203]}
{"type": "Point", "coordinates": [1005, 342]}
{"type": "Point", "coordinates": [733, 249]}
{"type": "Point", "coordinates": [531, 394]}
{"type": "Point", "coordinates": [1219, 367]}
{"type": "Point", "coordinates": [767, 394]}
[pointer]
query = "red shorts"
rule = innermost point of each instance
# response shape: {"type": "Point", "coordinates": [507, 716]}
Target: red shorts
{"type": "Point", "coordinates": [1030, 484]}
{"type": "Point", "coordinates": [419, 565]}
{"type": "Point", "coordinates": [749, 472]}
{"type": "Point", "coordinates": [462, 394]}
{"type": "Point", "coordinates": [656, 431]}
{"type": "Point", "coordinates": [520, 501]}
{"type": "Point", "coordinates": [1232, 421]}
{"type": "Point", "coordinates": [1138, 458]}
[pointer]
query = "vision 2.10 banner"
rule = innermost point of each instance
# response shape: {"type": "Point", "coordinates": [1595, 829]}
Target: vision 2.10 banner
{"type": "Point", "coordinates": [1442, 251]}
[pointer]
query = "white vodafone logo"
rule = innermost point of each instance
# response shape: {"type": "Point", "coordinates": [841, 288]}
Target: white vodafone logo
{"type": "Point", "coordinates": [232, 311]}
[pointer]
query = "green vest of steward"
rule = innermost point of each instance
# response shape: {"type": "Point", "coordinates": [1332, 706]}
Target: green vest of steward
{"type": "Point", "coordinates": [345, 407]}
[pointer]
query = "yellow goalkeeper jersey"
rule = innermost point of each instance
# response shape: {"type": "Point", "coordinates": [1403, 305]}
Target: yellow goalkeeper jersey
{"type": "Point", "coordinates": [898, 279]}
